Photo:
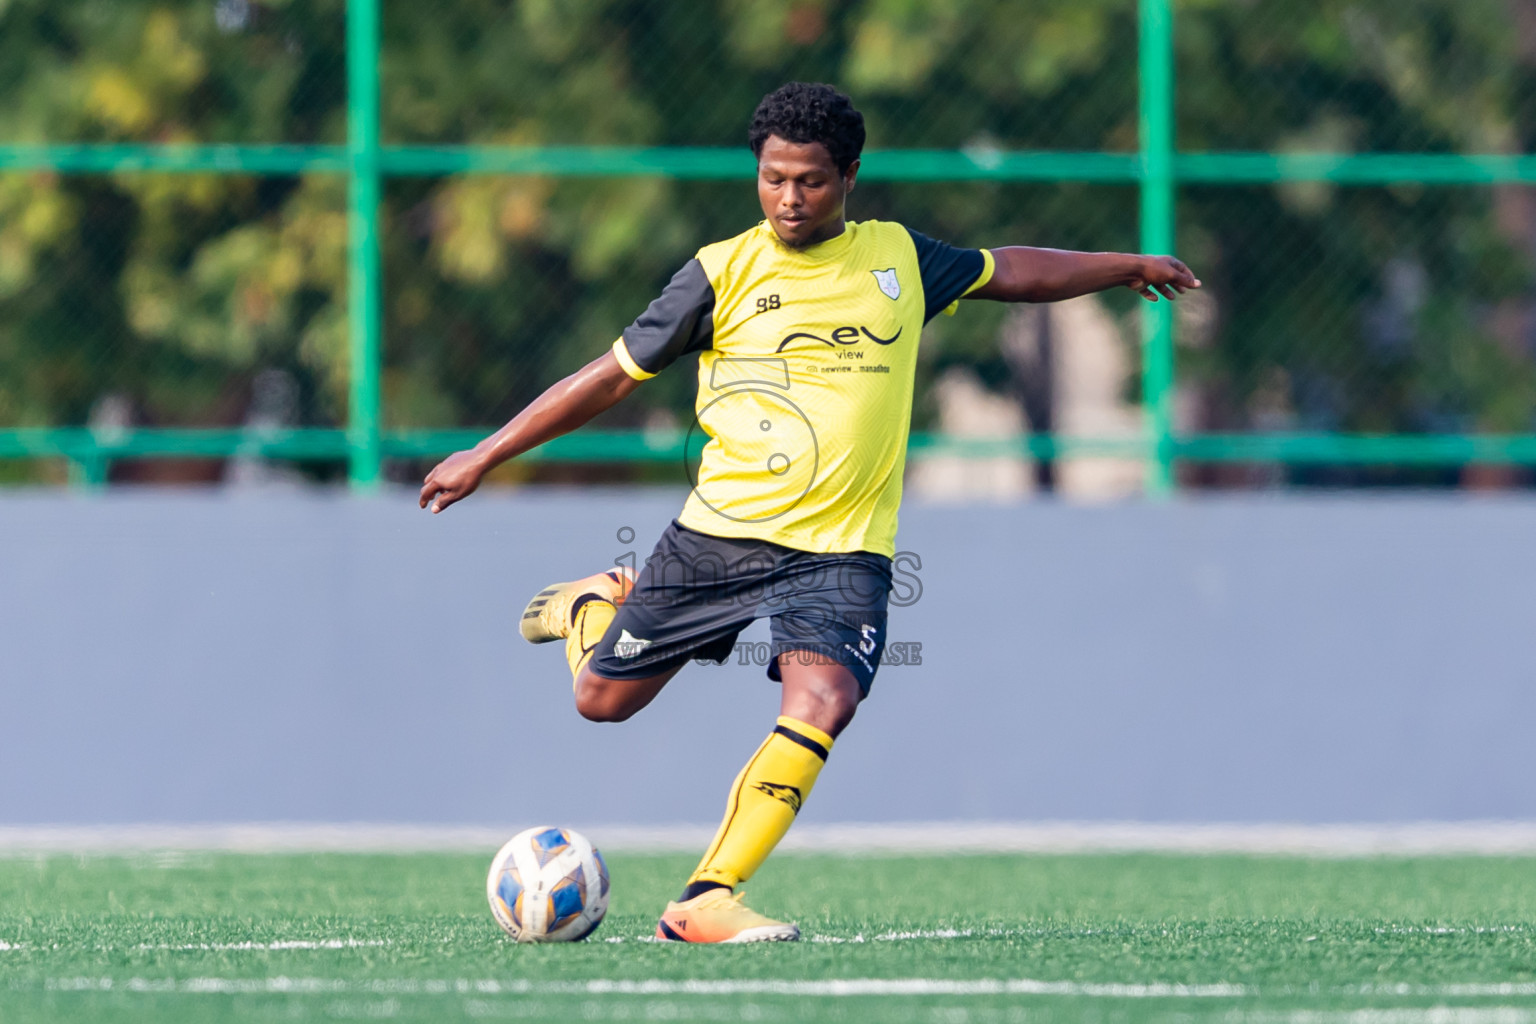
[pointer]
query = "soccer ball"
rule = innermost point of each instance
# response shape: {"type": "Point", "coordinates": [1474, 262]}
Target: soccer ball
{"type": "Point", "coordinates": [548, 885]}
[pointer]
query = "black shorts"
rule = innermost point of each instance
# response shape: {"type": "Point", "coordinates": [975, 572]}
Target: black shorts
{"type": "Point", "coordinates": [696, 593]}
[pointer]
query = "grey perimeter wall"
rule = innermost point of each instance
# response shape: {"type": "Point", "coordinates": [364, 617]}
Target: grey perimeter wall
{"type": "Point", "coordinates": [224, 657]}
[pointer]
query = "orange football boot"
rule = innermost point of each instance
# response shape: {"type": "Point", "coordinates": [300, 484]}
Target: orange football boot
{"type": "Point", "coordinates": [720, 916]}
{"type": "Point", "coordinates": [548, 615]}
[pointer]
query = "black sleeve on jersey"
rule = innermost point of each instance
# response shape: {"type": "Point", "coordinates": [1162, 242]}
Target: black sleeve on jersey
{"type": "Point", "coordinates": [946, 272]}
{"type": "Point", "coordinates": [681, 319]}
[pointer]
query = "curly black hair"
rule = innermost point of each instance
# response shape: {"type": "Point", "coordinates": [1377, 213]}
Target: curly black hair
{"type": "Point", "coordinates": [803, 112]}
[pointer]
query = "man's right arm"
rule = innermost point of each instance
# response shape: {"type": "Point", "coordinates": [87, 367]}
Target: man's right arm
{"type": "Point", "coordinates": [679, 320]}
{"type": "Point", "coordinates": [574, 401]}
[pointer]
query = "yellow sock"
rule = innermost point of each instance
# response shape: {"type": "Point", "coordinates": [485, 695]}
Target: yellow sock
{"type": "Point", "coordinates": [590, 624]}
{"type": "Point", "coordinates": [764, 801]}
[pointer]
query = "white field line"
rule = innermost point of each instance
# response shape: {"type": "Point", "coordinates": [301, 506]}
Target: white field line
{"type": "Point", "coordinates": [1483, 930]}
{"type": "Point", "coordinates": [849, 987]}
{"type": "Point", "coordinates": [1345, 840]}
{"type": "Point", "coordinates": [265, 946]}
{"type": "Point", "coordinates": [942, 933]}
{"type": "Point", "coordinates": [329, 944]}
{"type": "Point", "coordinates": [939, 934]}
{"type": "Point", "coordinates": [1404, 1015]}
{"type": "Point", "coordinates": [1480, 991]}
{"type": "Point", "coordinates": [907, 987]}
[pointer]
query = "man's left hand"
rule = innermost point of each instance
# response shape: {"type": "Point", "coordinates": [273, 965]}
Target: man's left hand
{"type": "Point", "coordinates": [1162, 275]}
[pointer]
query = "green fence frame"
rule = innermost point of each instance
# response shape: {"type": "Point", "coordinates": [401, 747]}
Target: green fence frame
{"type": "Point", "coordinates": [1157, 168]}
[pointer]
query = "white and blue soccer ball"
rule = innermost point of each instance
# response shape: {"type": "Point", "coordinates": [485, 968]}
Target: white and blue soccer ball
{"type": "Point", "coordinates": [548, 885]}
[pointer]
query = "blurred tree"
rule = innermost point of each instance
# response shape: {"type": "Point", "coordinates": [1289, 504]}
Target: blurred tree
{"type": "Point", "coordinates": [169, 291]}
{"type": "Point", "coordinates": [1354, 308]}
{"type": "Point", "coordinates": [1365, 308]}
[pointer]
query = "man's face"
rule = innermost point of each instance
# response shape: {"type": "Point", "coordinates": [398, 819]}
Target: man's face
{"type": "Point", "coordinates": [801, 191]}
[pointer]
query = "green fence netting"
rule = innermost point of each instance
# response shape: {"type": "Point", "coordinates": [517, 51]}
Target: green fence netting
{"type": "Point", "coordinates": [186, 220]}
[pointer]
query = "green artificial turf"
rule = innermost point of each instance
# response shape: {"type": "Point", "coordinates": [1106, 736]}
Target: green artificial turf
{"type": "Point", "coordinates": [972, 938]}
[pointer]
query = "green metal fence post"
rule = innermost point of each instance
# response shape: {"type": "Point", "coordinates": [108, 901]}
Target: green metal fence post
{"type": "Point", "coordinates": [1157, 233]}
{"type": "Point", "coordinates": [89, 472]}
{"type": "Point", "coordinates": [365, 272]}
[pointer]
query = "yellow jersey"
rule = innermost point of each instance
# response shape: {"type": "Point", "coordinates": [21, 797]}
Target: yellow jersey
{"type": "Point", "coordinates": [806, 372]}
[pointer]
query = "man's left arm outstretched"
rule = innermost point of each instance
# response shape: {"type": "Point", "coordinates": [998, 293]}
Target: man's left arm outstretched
{"type": "Point", "coordinates": [1025, 274]}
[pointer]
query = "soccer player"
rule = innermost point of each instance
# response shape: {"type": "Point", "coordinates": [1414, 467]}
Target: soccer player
{"type": "Point", "coordinates": [806, 326]}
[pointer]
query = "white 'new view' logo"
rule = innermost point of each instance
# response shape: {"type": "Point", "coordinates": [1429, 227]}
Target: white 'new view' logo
{"type": "Point", "coordinates": [627, 646]}
{"type": "Point", "coordinates": [888, 283]}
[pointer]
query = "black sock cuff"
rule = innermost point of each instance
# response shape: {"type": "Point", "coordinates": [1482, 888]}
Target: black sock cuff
{"type": "Point", "coordinates": [800, 738]}
{"type": "Point", "coordinates": [698, 889]}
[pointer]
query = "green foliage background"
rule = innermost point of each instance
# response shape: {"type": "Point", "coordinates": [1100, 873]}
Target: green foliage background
{"type": "Point", "coordinates": [1380, 309]}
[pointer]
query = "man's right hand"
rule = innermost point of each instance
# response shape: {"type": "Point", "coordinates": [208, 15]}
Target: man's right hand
{"type": "Point", "coordinates": [451, 480]}
{"type": "Point", "coordinates": [562, 408]}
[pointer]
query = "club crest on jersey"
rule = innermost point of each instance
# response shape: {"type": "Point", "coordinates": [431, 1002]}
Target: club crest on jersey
{"type": "Point", "coordinates": [888, 283]}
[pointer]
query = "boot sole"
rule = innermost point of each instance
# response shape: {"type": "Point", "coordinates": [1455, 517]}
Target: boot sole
{"type": "Point", "coordinates": [533, 630]}
{"type": "Point", "coordinates": [762, 933]}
